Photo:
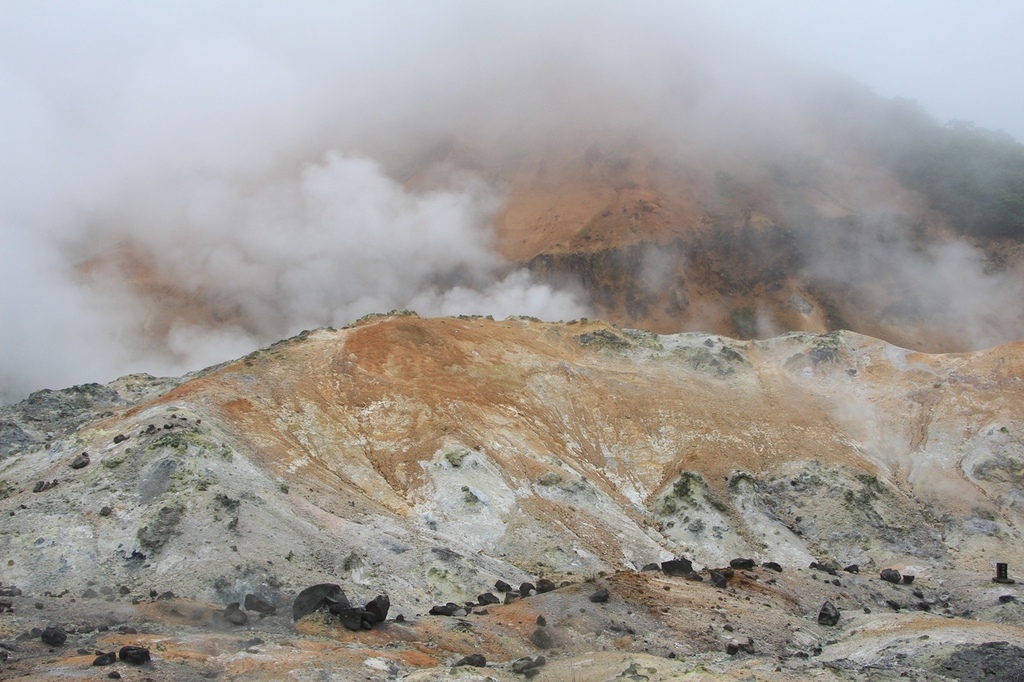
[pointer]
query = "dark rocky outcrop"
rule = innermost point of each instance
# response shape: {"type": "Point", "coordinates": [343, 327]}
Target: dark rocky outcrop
{"type": "Point", "coordinates": [316, 597]}
{"type": "Point", "coordinates": [995, 661]}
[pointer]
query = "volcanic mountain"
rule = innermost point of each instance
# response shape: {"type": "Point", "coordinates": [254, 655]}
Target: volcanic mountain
{"type": "Point", "coordinates": [428, 459]}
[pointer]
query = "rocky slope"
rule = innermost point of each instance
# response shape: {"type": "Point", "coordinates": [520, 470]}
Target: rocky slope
{"type": "Point", "coordinates": [425, 459]}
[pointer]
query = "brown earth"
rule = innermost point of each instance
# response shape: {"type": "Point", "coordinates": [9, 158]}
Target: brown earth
{"type": "Point", "coordinates": [427, 458]}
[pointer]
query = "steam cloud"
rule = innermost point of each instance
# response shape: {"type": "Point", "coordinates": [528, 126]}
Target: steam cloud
{"type": "Point", "coordinates": [183, 183]}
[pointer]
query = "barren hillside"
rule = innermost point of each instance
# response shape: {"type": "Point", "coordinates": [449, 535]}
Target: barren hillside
{"type": "Point", "coordinates": [425, 459]}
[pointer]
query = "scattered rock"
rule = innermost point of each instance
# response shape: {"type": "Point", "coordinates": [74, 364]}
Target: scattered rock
{"type": "Point", "coordinates": [542, 639]}
{"type": "Point", "coordinates": [891, 575]}
{"type": "Point", "coordinates": [90, 594]}
{"type": "Point", "coordinates": [351, 617]}
{"type": "Point", "coordinates": [742, 564]}
{"type": "Point", "coordinates": [475, 660]}
{"type": "Point", "coordinates": [378, 608]}
{"type": "Point", "coordinates": [235, 615]}
{"type": "Point", "coordinates": [487, 598]}
{"type": "Point", "coordinates": [772, 566]}
{"type": "Point", "coordinates": [521, 665]}
{"type": "Point", "coordinates": [448, 609]}
{"type": "Point", "coordinates": [502, 586]}
{"type": "Point", "coordinates": [677, 567]}
{"type": "Point", "coordinates": [826, 568]}
{"type": "Point", "coordinates": [718, 580]}
{"type": "Point", "coordinates": [829, 614]}
{"type": "Point", "coordinates": [526, 588]}
{"type": "Point", "coordinates": [105, 659]}
{"type": "Point", "coordinates": [907, 579]}
{"type": "Point", "coordinates": [545, 585]}
{"type": "Point", "coordinates": [259, 605]}
{"type": "Point", "coordinates": [988, 661]}
{"type": "Point", "coordinates": [53, 636]}
{"type": "Point", "coordinates": [852, 568]}
{"type": "Point", "coordinates": [120, 438]}
{"type": "Point", "coordinates": [136, 655]}
{"type": "Point", "coordinates": [43, 486]}
{"type": "Point", "coordinates": [81, 461]}
{"type": "Point", "coordinates": [600, 596]}
{"type": "Point", "coordinates": [1006, 598]}
{"type": "Point", "coordinates": [542, 621]}
{"type": "Point", "coordinates": [511, 596]}
{"type": "Point", "coordinates": [316, 597]}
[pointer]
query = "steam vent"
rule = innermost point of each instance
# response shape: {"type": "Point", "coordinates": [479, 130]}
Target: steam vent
{"type": "Point", "coordinates": [499, 341]}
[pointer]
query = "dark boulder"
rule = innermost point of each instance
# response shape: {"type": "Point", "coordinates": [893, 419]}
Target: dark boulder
{"type": "Point", "coordinates": [677, 567]}
{"type": "Point", "coordinates": [600, 596]}
{"type": "Point", "coordinates": [259, 605]}
{"type": "Point", "coordinates": [120, 438]}
{"type": "Point", "coordinates": [80, 461]}
{"type": "Point", "coordinates": [542, 621]}
{"type": "Point", "coordinates": [545, 585]}
{"type": "Point", "coordinates": [907, 579]}
{"type": "Point", "coordinates": [542, 639]}
{"type": "Point", "coordinates": [512, 596]}
{"type": "Point", "coordinates": [772, 566]}
{"type": "Point", "coordinates": [448, 609]}
{"type": "Point", "coordinates": [53, 636]}
{"type": "Point", "coordinates": [718, 580]}
{"type": "Point", "coordinates": [742, 564]}
{"type": "Point", "coordinates": [891, 575]}
{"type": "Point", "coordinates": [316, 597]}
{"type": "Point", "coordinates": [235, 615]}
{"type": "Point", "coordinates": [379, 607]}
{"type": "Point", "coordinates": [475, 660]}
{"type": "Point", "coordinates": [526, 588]}
{"type": "Point", "coordinates": [487, 598]}
{"type": "Point", "coordinates": [105, 659]}
{"type": "Point", "coordinates": [502, 586]}
{"type": "Point", "coordinates": [136, 655]}
{"type": "Point", "coordinates": [829, 614]}
{"type": "Point", "coordinates": [852, 568]}
{"type": "Point", "coordinates": [530, 667]}
{"type": "Point", "coordinates": [350, 616]}
{"type": "Point", "coordinates": [826, 568]}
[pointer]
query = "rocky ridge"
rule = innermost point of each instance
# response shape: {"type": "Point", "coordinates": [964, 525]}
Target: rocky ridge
{"type": "Point", "coordinates": [426, 459]}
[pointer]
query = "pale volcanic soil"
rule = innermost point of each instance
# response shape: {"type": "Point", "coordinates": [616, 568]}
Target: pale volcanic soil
{"type": "Point", "coordinates": [425, 459]}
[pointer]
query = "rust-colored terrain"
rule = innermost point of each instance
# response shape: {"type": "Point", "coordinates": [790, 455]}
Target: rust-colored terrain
{"type": "Point", "coordinates": [427, 458]}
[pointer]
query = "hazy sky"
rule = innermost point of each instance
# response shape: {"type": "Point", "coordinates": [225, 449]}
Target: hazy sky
{"type": "Point", "coordinates": [960, 59]}
{"type": "Point", "coordinates": [236, 148]}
